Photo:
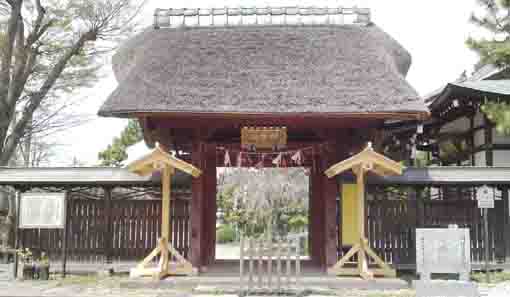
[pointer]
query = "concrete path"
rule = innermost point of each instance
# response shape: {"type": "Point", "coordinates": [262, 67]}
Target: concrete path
{"type": "Point", "coordinates": [93, 286]}
{"type": "Point", "coordinates": [227, 251]}
{"type": "Point", "coordinates": [5, 272]}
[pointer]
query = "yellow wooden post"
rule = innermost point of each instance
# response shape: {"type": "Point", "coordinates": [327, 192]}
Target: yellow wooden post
{"type": "Point", "coordinates": [362, 259]}
{"type": "Point", "coordinates": [360, 180]}
{"type": "Point", "coordinates": [165, 204]}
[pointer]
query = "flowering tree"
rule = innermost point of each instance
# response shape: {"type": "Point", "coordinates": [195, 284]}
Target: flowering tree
{"type": "Point", "coordinates": [271, 200]}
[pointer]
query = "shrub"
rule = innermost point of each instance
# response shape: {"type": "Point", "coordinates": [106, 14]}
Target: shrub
{"type": "Point", "coordinates": [225, 234]}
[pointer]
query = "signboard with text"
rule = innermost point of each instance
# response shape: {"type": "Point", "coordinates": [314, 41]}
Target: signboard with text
{"type": "Point", "coordinates": [443, 251]}
{"type": "Point", "coordinates": [485, 197]}
{"type": "Point", "coordinates": [42, 211]}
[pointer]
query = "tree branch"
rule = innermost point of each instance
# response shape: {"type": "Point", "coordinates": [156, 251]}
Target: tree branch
{"type": "Point", "coordinates": [19, 67]}
{"type": "Point", "coordinates": [7, 55]}
{"type": "Point", "coordinates": [36, 98]}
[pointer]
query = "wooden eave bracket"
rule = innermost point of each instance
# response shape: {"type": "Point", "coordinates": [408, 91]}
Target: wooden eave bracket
{"type": "Point", "coordinates": [370, 160]}
{"type": "Point", "coordinates": [157, 160]}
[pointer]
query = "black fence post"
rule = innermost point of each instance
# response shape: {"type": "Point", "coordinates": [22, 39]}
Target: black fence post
{"type": "Point", "coordinates": [412, 213]}
{"type": "Point", "coordinates": [108, 228]}
{"type": "Point", "coordinates": [16, 233]}
{"type": "Point", "coordinates": [64, 234]}
{"type": "Point", "coordinates": [505, 222]}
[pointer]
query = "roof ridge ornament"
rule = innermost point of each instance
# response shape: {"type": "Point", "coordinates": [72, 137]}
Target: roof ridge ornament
{"type": "Point", "coordinates": [239, 16]}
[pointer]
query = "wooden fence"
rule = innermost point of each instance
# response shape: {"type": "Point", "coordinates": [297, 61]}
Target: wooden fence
{"type": "Point", "coordinates": [130, 230]}
{"type": "Point", "coordinates": [130, 233]}
{"type": "Point", "coordinates": [392, 220]}
{"type": "Point", "coordinates": [271, 266]}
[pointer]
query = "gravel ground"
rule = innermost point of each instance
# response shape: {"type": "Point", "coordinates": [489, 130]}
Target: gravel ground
{"type": "Point", "coordinates": [92, 286]}
{"type": "Point", "coordinates": [85, 286]}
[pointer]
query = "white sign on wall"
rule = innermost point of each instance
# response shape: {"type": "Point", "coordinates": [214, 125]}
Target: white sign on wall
{"type": "Point", "coordinates": [42, 210]}
{"type": "Point", "coordinates": [485, 197]}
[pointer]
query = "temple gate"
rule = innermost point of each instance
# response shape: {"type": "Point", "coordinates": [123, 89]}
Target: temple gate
{"type": "Point", "coordinates": [201, 88]}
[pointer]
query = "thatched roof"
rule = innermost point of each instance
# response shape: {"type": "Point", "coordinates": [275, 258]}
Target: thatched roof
{"type": "Point", "coordinates": [326, 69]}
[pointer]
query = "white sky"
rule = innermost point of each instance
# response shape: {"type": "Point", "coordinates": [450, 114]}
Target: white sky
{"type": "Point", "coordinates": [433, 32]}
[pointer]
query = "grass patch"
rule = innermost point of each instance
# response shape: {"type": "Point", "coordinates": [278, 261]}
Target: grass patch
{"type": "Point", "coordinates": [495, 277]}
{"type": "Point", "coordinates": [70, 280]}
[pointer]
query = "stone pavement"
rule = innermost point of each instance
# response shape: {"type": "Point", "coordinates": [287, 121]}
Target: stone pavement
{"type": "Point", "coordinates": [89, 286]}
{"type": "Point", "coordinates": [93, 286]}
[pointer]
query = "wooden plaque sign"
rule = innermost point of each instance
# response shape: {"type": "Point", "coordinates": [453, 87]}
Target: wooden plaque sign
{"type": "Point", "coordinates": [264, 137]}
{"type": "Point", "coordinates": [42, 210]}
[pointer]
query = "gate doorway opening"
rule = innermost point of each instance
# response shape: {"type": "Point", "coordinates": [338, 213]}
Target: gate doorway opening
{"type": "Point", "coordinates": [269, 204]}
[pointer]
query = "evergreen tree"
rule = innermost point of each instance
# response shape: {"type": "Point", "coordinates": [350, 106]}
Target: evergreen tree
{"type": "Point", "coordinates": [116, 153]}
{"type": "Point", "coordinates": [494, 50]}
{"type": "Point", "coordinates": [496, 20]}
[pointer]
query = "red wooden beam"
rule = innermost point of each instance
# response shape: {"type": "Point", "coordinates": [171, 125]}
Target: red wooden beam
{"type": "Point", "coordinates": [210, 204]}
{"type": "Point", "coordinates": [222, 121]}
{"type": "Point", "coordinates": [197, 206]}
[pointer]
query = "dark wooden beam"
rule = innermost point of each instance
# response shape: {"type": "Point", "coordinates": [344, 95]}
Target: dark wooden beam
{"type": "Point", "coordinates": [222, 121]}
{"type": "Point", "coordinates": [472, 142]}
{"type": "Point", "coordinates": [489, 156]}
{"type": "Point", "coordinates": [341, 142]}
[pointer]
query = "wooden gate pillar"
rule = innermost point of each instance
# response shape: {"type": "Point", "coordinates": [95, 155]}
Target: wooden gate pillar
{"type": "Point", "coordinates": [210, 207]}
{"type": "Point", "coordinates": [330, 192]}
{"type": "Point", "coordinates": [316, 218]}
{"type": "Point", "coordinates": [197, 241]}
{"type": "Point", "coordinates": [323, 210]}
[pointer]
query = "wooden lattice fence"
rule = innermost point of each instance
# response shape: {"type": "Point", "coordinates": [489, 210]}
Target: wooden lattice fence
{"type": "Point", "coordinates": [268, 265]}
{"type": "Point", "coordinates": [134, 230]}
{"type": "Point", "coordinates": [393, 216]}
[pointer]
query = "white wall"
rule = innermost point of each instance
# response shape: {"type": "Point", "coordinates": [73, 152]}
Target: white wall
{"type": "Point", "coordinates": [501, 158]}
{"type": "Point", "coordinates": [480, 159]}
{"type": "Point", "coordinates": [498, 138]}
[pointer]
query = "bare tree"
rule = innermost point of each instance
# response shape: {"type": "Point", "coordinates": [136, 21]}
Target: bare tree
{"type": "Point", "coordinates": [48, 49]}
